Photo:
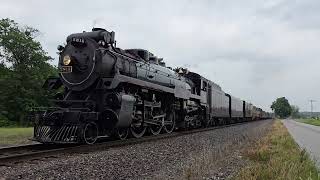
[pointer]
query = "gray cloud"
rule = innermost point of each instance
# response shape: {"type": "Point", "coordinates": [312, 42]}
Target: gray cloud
{"type": "Point", "coordinates": [257, 50]}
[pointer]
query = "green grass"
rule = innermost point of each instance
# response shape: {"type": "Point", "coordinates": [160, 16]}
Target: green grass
{"type": "Point", "coordinates": [315, 122]}
{"type": "Point", "coordinates": [277, 156]}
{"type": "Point", "coordinates": [14, 136]}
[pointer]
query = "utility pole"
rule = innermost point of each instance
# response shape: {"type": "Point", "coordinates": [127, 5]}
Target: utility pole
{"type": "Point", "coordinates": [311, 103]}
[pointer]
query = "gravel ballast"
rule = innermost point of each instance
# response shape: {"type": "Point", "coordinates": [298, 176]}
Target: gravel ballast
{"type": "Point", "coordinates": [207, 155]}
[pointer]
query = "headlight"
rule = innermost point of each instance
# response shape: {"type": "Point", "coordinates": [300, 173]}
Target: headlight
{"type": "Point", "coordinates": [66, 60]}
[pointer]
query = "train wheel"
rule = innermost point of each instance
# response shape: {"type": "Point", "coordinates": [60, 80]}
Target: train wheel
{"type": "Point", "coordinates": [137, 130]}
{"type": "Point", "coordinates": [90, 133]}
{"type": "Point", "coordinates": [122, 133]}
{"type": "Point", "coordinates": [169, 123]}
{"type": "Point", "coordinates": [155, 129]}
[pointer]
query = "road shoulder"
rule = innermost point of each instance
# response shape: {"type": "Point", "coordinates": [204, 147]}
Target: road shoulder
{"type": "Point", "coordinates": [277, 156]}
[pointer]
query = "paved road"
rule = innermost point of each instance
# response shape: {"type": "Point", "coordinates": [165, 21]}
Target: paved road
{"type": "Point", "coordinates": [307, 136]}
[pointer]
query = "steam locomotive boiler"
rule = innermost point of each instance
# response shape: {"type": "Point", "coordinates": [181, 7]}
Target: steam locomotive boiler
{"type": "Point", "coordinates": [108, 91]}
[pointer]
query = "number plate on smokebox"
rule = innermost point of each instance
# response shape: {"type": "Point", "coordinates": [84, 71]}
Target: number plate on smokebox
{"type": "Point", "coordinates": [66, 69]}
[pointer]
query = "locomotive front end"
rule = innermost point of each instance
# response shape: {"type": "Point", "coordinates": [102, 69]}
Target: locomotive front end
{"type": "Point", "coordinates": [83, 60]}
{"type": "Point", "coordinates": [57, 125]}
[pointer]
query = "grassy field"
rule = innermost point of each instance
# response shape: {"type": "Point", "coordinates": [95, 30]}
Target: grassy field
{"type": "Point", "coordinates": [14, 136]}
{"type": "Point", "coordinates": [315, 122]}
{"type": "Point", "coordinates": [277, 156]}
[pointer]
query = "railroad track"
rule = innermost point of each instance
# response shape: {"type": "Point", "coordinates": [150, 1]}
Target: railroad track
{"type": "Point", "coordinates": [28, 152]}
{"type": "Point", "coordinates": [24, 151]}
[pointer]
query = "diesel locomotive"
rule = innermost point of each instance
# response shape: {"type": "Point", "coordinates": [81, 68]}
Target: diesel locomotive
{"type": "Point", "coordinates": [107, 91]}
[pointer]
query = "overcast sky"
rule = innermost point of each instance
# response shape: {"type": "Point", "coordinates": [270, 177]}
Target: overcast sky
{"type": "Point", "coordinates": [257, 50]}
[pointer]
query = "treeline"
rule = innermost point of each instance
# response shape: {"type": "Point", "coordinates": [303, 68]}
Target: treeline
{"type": "Point", "coordinates": [23, 69]}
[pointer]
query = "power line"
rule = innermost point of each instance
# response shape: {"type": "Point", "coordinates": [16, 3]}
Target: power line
{"type": "Point", "coordinates": [311, 104]}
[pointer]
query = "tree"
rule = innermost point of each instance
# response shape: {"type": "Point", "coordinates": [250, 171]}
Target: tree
{"type": "Point", "coordinates": [281, 107]}
{"type": "Point", "coordinates": [295, 111]}
{"type": "Point", "coordinates": [23, 69]}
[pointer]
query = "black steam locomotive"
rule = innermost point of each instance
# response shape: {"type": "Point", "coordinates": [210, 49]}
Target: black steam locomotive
{"type": "Point", "coordinates": [107, 91]}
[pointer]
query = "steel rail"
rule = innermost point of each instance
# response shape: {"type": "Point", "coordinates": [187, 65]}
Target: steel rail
{"type": "Point", "coordinates": [19, 153]}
